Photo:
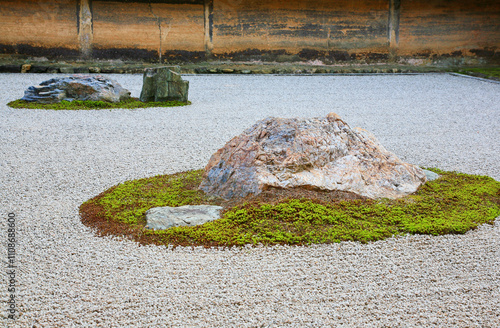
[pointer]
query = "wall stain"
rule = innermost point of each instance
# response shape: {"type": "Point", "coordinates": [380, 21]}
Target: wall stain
{"type": "Point", "coordinates": [37, 51]}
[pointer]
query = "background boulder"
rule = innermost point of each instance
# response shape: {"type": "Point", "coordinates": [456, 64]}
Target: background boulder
{"type": "Point", "coordinates": [77, 87]}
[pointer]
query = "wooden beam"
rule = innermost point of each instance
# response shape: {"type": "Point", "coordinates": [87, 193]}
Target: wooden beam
{"type": "Point", "coordinates": [85, 28]}
{"type": "Point", "coordinates": [394, 15]}
{"type": "Point", "coordinates": [209, 26]}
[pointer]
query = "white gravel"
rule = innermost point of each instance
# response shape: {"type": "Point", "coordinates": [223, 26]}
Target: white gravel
{"type": "Point", "coordinates": [52, 161]}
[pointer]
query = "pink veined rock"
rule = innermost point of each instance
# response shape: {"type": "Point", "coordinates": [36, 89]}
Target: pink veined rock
{"type": "Point", "coordinates": [318, 153]}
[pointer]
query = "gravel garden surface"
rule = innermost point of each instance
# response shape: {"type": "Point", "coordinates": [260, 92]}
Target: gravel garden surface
{"type": "Point", "coordinates": [53, 161]}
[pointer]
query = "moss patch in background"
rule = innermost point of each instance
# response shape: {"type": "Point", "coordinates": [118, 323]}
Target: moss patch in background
{"type": "Point", "coordinates": [492, 73]}
{"type": "Point", "coordinates": [453, 204]}
{"type": "Point", "coordinates": [92, 105]}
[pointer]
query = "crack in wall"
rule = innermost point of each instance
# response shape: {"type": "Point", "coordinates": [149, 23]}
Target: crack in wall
{"type": "Point", "coordinates": [158, 23]}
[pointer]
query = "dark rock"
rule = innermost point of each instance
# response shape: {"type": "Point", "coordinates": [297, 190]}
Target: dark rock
{"type": "Point", "coordinates": [112, 70]}
{"type": "Point", "coordinates": [316, 153]}
{"type": "Point", "coordinates": [107, 70]}
{"type": "Point", "coordinates": [76, 87]}
{"type": "Point", "coordinates": [201, 70]}
{"type": "Point", "coordinates": [164, 84]}
{"type": "Point", "coordinates": [82, 70]}
{"type": "Point", "coordinates": [10, 68]}
{"type": "Point", "coordinates": [39, 69]}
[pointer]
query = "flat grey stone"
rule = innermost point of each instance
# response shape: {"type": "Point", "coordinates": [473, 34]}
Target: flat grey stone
{"type": "Point", "coordinates": [161, 218]}
{"type": "Point", "coordinates": [431, 175]}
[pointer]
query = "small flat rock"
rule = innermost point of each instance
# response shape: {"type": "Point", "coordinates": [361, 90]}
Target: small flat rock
{"type": "Point", "coordinates": [161, 218]}
{"type": "Point", "coordinates": [431, 175]}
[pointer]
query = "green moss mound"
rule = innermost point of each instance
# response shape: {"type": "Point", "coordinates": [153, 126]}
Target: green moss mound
{"type": "Point", "coordinates": [93, 105]}
{"type": "Point", "coordinates": [452, 204]}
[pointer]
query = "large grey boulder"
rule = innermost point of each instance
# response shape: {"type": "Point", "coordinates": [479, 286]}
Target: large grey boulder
{"type": "Point", "coordinates": [76, 87]}
{"type": "Point", "coordinates": [164, 84]}
{"type": "Point", "coordinates": [160, 218]}
{"type": "Point", "coordinates": [316, 153]}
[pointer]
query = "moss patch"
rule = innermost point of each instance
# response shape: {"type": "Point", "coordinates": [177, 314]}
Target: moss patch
{"type": "Point", "coordinates": [92, 105]}
{"type": "Point", "coordinates": [492, 73]}
{"type": "Point", "coordinates": [453, 204]}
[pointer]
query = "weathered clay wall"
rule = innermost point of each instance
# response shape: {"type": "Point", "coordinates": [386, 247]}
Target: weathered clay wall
{"type": "Point", "coordinates": [298, 25]}
{"type": "Point", "coordinates": [147, 26]}
{"type": "Point", "coordinates": [40, 24]}
{"type": "Point", "coordinates": [444, 27]}
{"type": "Point", "coordinates": [251, 29]}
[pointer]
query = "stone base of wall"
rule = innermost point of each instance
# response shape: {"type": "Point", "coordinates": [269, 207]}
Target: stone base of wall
{"type": "Point", "coordinates": [23, 64]}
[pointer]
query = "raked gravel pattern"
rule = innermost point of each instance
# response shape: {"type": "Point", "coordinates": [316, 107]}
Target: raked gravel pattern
{"type": "Point", "coordinates": [52, 161]}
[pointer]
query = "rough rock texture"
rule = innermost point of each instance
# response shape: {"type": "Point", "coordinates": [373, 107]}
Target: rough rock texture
{"type": "Point", "coordinates": [160, 218]}
{"type": "Point", "coordinates": [318, 153]}
{"type": "Point", "coordinates": [164, 84]}
{"type": "Point", "coordinates": [76, 87]}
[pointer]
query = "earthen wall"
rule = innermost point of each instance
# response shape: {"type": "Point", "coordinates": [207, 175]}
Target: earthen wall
{"type": "Point", "coordinates": [193, 30]}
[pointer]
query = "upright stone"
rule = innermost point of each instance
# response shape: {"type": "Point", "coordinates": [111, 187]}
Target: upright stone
{"type": "Point", "coordinates": [164, 84]}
